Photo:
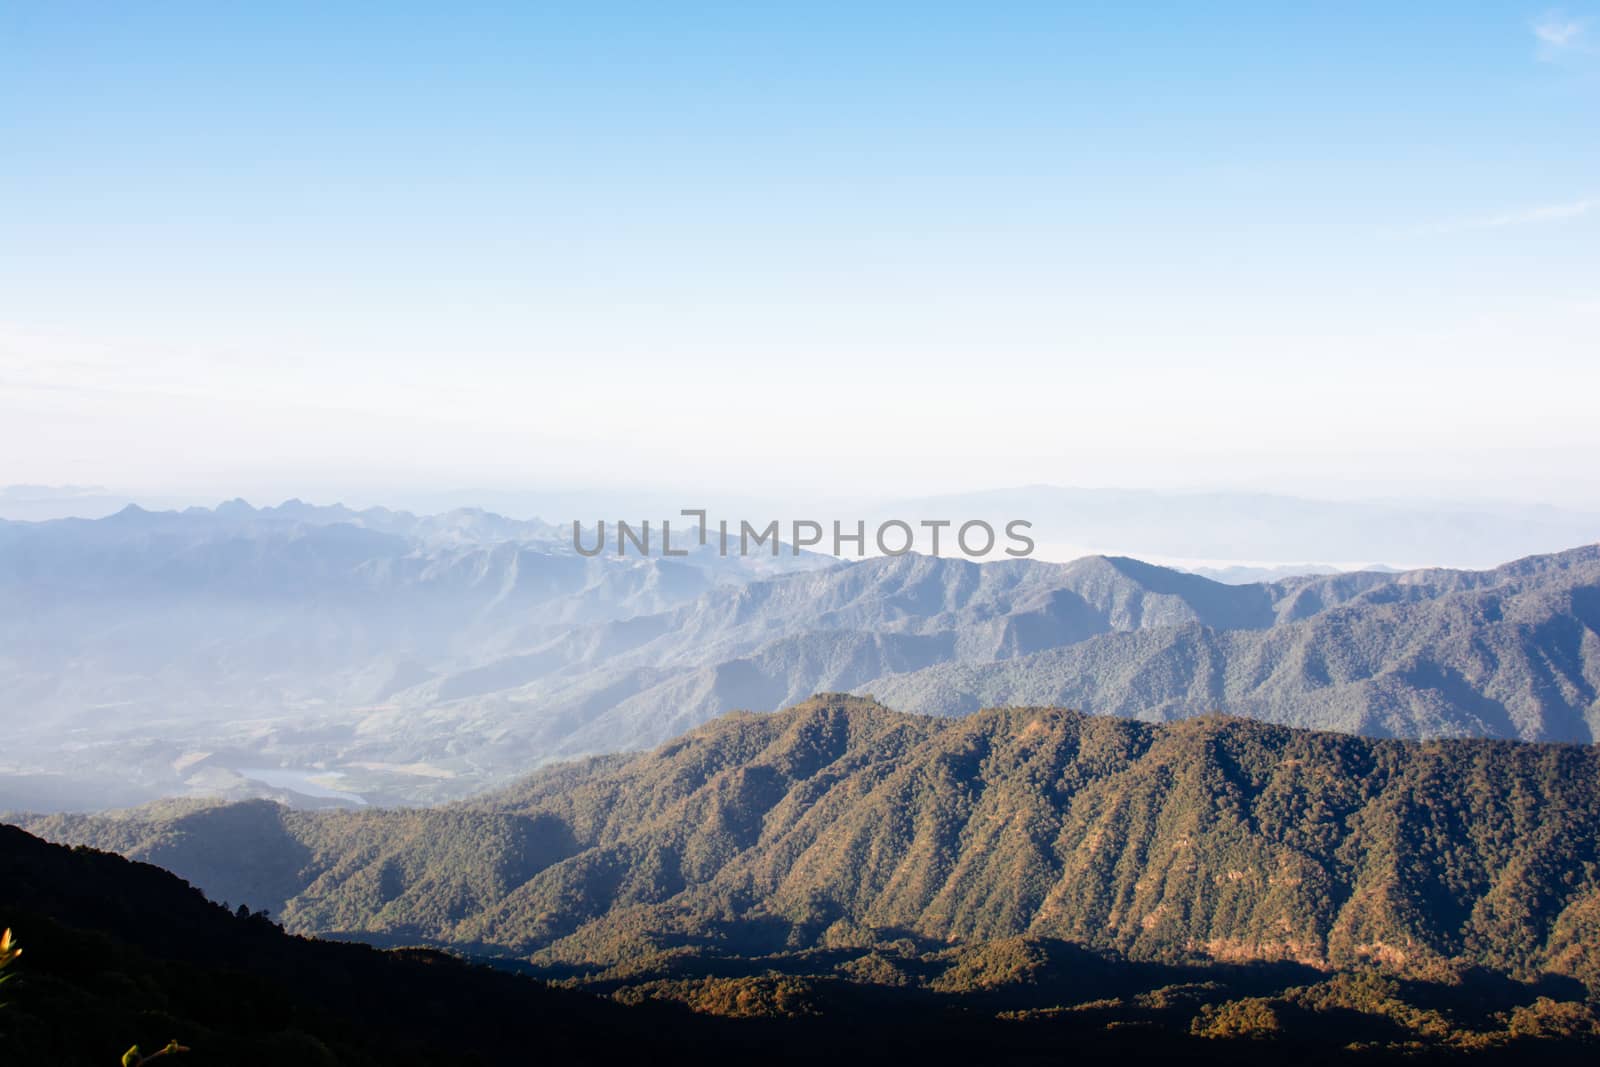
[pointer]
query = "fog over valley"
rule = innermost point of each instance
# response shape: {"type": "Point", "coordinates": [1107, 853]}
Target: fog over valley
{"type": "Point", "coordinates": [325, 655]}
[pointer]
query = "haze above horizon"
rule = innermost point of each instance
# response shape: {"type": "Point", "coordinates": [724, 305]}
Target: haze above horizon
{"type": "Point", "coordinates": [301, 252]}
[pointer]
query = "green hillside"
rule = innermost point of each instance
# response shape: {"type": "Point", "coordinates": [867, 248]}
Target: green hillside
{"type": "Point", "coordinates": [840, 823]}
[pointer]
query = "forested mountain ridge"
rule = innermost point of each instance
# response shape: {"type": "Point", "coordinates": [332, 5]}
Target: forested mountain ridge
{"type": "Point", "coordinates": [842, 823]}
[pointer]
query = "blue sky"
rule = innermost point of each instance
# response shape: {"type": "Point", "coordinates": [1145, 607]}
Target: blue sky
{"type": "Point", "coordinates": [1341, 249]}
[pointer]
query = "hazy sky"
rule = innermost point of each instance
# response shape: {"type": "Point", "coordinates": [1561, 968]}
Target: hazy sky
{"type": "Point", "coordinates": [285, 248]}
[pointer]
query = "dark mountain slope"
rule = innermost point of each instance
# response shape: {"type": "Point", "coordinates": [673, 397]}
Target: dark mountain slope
{"type": "Point", "coordinates": [117, 953]}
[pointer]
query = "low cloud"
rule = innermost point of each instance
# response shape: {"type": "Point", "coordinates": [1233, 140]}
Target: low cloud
{"type": "Point", "coordinates": [1560, 34]}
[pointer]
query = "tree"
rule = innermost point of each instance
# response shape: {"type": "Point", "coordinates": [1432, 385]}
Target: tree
{"type": "Point", "coordinates": [132, 1058]}
{"type": "Point", "coordinates": [8, 952]}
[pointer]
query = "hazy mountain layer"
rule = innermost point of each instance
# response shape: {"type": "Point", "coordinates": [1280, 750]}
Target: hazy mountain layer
{"type": "Point", "coordinates": [163, 651]}
{"type": "Point", "coordinates": [1513, 652]}
{"type": "Point", "coordinates": [769, 643]}
{"type": "Point", "coordinates": [1118, 636]}
{"type": "Point", "coordinates": [320, 653]}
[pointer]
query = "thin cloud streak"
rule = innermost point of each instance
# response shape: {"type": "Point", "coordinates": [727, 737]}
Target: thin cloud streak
{"type": "Point", "coordinates": [1533, 216]}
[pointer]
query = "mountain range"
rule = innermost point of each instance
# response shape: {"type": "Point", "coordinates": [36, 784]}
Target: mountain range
{"type": "Point", "coordinates": [148, 652]}
{"type": "Point", "coordinates": [1513, 653]}
{"type": "Point", "coordinates": [1259, 533]}
{"type": "Point", "coordinates": [121, 958]}
{"type": "Point", "coordinates": [841, 824]}
{"type": "Point", "coordinates": [301, 651]}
